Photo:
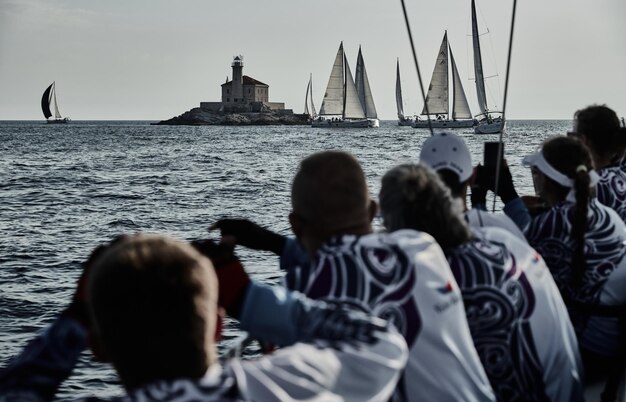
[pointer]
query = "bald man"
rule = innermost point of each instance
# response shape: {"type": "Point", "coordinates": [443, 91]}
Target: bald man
{"type": "Point", "coordinates": [401, 276]}
{"type": "Point", "coordinates": [151, 305]}
{"type": "Point", "coordinates": [329, 197]}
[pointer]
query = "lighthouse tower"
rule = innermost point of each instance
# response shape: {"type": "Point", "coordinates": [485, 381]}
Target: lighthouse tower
{"type": "Point", "coordinates": [237, 85]}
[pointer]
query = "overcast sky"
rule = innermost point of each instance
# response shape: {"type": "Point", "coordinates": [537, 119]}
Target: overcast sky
{"type": "Point", "coordinates": [154, 59]}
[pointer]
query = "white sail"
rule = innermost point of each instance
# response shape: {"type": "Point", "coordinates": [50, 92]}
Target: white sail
{"type": "Point", "coordinates": [56, 108]}
{"type": "Point", "coordinates": [399, 105]}
{"type": "Point", "coordinates": [306, 99]}
{"type": "Point", "coordinates": [437, 98]}
{"type": "Point", "coordinates": [363, 88]}
{"type": "Point", "coordinates": [478, 64]}
{"type": "Point", "coordinates": [334, 98]}
{"type": "Point", "coordinates": [352, 105]}
{"type": "Point", "coordinates": [460, 107]}
{"type": "Point", "coordinates": [313, 112]}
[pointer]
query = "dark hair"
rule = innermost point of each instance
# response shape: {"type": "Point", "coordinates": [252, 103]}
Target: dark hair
{"type": "Point", "coordinates": [572, 158]}
{"type": "Point", "coordinates": [414, 197]}
{"type": "Point", "coordinates": [150, 302]}
{"type": "Point", "coordinates": [601, 128]}
{"type": "Point", "coordinates": [451, 179]}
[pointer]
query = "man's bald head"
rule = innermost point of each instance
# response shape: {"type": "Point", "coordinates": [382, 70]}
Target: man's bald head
{"type": "Point", "coordinates": [330, 193]}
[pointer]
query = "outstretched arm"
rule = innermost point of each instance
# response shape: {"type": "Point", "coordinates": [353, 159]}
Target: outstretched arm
{"type": "Point", "coordinates": [38, 371]}
{"type": "Point", "coordinates": [361, 358]}
{"type": "Point", "coordinates": [248, 234]}
{"type": "Point", "coordinates": [334, 353]}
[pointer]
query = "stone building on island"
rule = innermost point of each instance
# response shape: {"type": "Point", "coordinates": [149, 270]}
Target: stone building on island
{"type": "Point", "coordinates": [244, 94]}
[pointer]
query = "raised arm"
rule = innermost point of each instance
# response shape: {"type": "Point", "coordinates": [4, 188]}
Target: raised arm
{"type": "Point", "coordinates": [248, 234]}
{"type": "Point", "coordinates": [328, 350]}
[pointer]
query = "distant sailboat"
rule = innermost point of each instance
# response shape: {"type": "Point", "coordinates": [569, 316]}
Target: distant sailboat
{"type": "Point", "coordinates": [308, 100]}
{"type": "Point", "coordinates": [364, 91]}
{"type": "Point", "coordinates": [48, 96]}
{"type": "Point", "coordinates": [341, 106]}
{"type": "Point", "coordinates": [438, 94]}
{"type": "Point", "coordinates": [402, 119]}
{"type": "Point", "coordinates": [489, 122]}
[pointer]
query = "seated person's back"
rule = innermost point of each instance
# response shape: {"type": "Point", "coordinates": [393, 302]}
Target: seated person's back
{"type": "Point", "coordinates": [582, 242]}
{"type": "Point", "coordinates": [403, 277]}
{"type": "Point", "coordinates": [516, 316]}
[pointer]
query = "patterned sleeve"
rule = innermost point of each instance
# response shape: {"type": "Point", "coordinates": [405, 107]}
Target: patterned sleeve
{"type": "Point", "coordinates": [282, 317]}
{"type": "Point", "coordinates": [293, 255]}
{"type": "Point", "coordinates": [327, 348]}
{"type": "Point", "coordinates": [38, 371]}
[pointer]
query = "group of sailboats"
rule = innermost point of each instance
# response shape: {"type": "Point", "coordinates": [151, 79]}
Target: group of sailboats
{"type": "Point", "coordinates": [348, 101]}
{"type": "Point", "coordinates": [437, 100]}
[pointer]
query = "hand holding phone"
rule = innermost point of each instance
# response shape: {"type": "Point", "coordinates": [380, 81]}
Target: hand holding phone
{"type": "Point", "coordinates": [490, 157]}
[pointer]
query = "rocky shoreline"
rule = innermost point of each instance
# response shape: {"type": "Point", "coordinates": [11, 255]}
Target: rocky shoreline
{"type": "Point", "coordinates": [202, 117]}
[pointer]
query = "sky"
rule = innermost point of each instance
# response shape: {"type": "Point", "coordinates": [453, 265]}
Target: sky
{"type": "Point", "coordinates": [155, 59]}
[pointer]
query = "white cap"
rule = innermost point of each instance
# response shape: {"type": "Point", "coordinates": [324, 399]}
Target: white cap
{"type": "Point", "coordinates": [447, 151]}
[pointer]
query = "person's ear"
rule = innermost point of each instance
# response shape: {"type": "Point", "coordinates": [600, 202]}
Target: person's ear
{"type": "Point", "coordinates": [296, 225]}
{"type": "Point", "coordinates": [372, 210]}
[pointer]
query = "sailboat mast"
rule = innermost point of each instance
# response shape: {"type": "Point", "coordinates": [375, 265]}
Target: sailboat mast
{"type": "Point", "coordinates": [345, 82]}
{"type": "Point", "coordinates": [454, 95]}
{"type": "Point", "coordinates": [478, 63]}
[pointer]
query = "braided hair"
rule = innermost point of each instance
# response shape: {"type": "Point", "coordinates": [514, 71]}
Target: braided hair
{"type": "Point", "coordinates": [572, 158]}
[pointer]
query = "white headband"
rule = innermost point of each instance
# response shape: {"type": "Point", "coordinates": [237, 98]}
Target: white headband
{"type": "Point", "coordinates": [537, 160]}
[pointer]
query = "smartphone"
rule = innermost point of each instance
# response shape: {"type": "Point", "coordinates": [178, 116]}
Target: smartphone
{"type": "Point", "coordinates": [490, 158]}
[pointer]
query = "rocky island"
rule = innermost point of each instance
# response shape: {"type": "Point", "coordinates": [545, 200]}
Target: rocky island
{"type": "Point", "coordinates": [199, 117]}
{"type": "Point", "coordinates": [245, 101]}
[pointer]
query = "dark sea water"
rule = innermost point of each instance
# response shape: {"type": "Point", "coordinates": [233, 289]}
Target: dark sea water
{"type": "Point", "coordinates": [66, 188]}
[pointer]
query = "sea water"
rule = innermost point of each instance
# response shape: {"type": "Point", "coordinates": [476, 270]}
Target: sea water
{"type": "Point", "coordinates": [66, 188]}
